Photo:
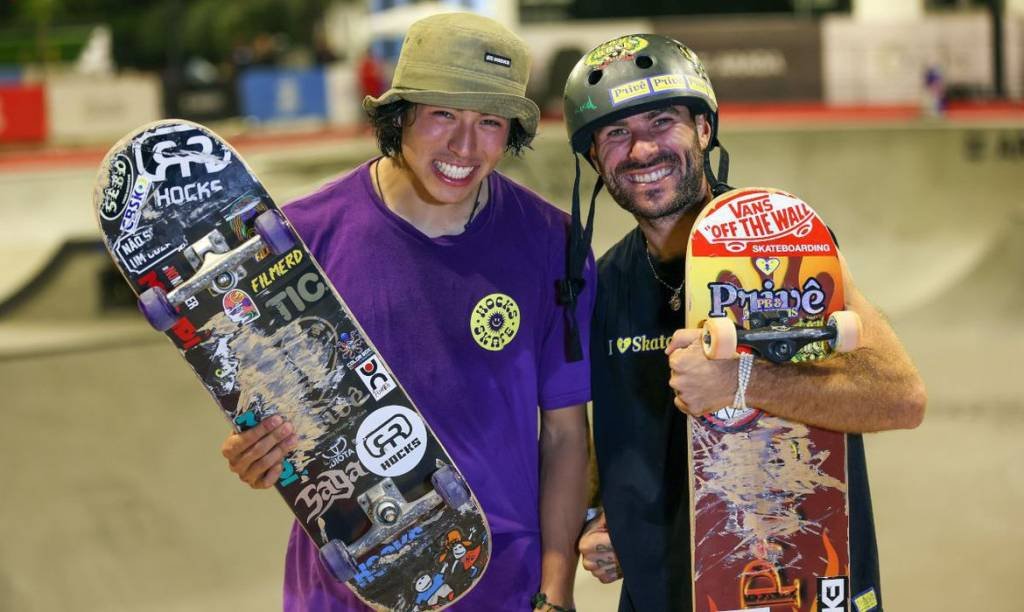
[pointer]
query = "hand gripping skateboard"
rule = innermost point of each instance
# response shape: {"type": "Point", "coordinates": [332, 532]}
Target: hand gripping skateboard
{"type": "Point", "coordinates": [769, 511]}
{"type": "Point", "coordinates": [220, 270]}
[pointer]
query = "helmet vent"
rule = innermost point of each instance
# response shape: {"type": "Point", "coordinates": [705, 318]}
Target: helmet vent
{"type": "Point", "coordinates": [643, 61]}
{"type": "Point", "coordinates": [595, 76]}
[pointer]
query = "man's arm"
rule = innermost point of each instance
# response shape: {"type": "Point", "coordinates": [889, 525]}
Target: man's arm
{"type": "Point", "coordinates": [873, 388]}
{"type": "Point", "coordinates": [563, 475]}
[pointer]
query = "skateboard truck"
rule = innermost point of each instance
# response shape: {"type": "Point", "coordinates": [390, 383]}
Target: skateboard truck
{"type": "Point", "coordinates": [779, 343]}
{"type": "Point", "coordinates": [390, 514]}
{"type": "Point", "coordinates": [211, 260]}
{"type": "Point", "coordinates": [216, 266]}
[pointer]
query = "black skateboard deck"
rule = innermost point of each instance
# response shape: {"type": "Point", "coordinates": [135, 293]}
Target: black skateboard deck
{"type": "Point", "coordinates": [220, 270]}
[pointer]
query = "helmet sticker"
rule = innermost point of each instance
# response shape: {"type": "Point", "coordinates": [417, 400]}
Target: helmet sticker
{"type": "Point", "coordinates": [667, 81]}
{"type": "Point", "coordinates": [586, 106]}
{"type": "Point", "coordinates": [630, 91]}
{"type": "Point", "coordinates": [701, 86]}
{"type": "Point", "coordinates": [657, 84]}
{"type": "Point", "coordinates": [620, 48]}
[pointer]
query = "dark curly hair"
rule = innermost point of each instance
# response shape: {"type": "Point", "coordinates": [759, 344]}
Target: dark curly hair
{"type": "Point", "coordinates": [386, 121]}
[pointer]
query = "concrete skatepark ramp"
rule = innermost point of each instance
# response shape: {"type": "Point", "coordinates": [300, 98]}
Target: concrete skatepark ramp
{"type": "Point", "coordinates": [64, 286]}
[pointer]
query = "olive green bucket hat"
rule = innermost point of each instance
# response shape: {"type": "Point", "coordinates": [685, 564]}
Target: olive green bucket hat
{"type": "Point", "coordinates": [465, 61]}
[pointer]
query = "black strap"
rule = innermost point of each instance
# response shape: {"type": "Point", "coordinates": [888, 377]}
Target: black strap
{"type": "Point", "coordinates": [719, 184]}
{"type": "Point", "coordinates": [571, 286]}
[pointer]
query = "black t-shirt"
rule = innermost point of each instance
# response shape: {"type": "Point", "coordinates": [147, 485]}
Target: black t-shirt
{"type": "Point", "coordinates": [641, 439]}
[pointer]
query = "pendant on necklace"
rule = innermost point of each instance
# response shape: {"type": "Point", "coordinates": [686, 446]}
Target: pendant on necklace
{"type": "Point", "coordinates": [675, 302]}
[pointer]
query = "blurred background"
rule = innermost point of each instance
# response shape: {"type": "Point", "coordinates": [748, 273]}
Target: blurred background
{"type": "Point", "coordinates": [901, 121]}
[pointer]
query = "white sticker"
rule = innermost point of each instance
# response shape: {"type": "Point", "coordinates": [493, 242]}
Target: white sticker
{"type": "Point", "coordinates": [377, 380]}
{"type": "Point", "coordinates": [391, 441]}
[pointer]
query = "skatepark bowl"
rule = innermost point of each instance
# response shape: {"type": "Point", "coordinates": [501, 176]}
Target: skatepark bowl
{"type": "Point", "coordinates": [117, 498]}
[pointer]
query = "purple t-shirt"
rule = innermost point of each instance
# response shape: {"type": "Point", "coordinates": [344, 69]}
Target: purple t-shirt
{"type": "Point", "coordinates": [470, 326]}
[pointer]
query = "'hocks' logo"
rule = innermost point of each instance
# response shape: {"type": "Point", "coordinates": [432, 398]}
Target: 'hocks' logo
{"type": "Point", "coordinates": [494, 321]}
{"type": "Point", "coordinates": [181, 147]}
{"type": "Point", "coordinates": [391, 441]}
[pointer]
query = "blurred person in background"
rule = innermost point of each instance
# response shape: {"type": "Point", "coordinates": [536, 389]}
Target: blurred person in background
{"type": "Point", "coordinates": [419, 242]}
{"type": "Point", "coordinates": [371, 75]}
{"type": "Point", "coordinates": [652, 151]}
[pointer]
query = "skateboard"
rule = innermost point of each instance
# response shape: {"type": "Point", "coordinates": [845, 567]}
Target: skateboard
{"type": "Point", "coordinates": [218, 268]}
{"type": "Point", "coordinates": [769, 512]}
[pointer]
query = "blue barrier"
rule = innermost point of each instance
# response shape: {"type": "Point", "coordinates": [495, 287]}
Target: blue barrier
{"type": "Point", "coordinates": [267, 94]}
{"type": "Point", "coordinates": [10, 74]}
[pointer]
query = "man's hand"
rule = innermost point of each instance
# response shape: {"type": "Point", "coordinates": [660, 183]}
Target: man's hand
{"type": "Point", "coordinates": [701, 385]}
{"type": "Point", "coordinates": [256, 454]}
{"type": "Point", "coordinates": [596, 549]}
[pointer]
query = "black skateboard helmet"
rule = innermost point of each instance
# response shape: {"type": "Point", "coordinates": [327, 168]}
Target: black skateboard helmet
{"type": "Point", "coordinates": [631, 74]}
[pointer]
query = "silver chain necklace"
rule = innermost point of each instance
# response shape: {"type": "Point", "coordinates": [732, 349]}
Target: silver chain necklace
{"type": "Point", "coordinates": [676, 301]}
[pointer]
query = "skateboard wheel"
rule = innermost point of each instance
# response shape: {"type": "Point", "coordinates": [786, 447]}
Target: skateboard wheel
{"type": "Point", "coordinates": [450, 487]}
{"type": "Point", "coordinates": [158, 310]}
{"type": "Point", "coordinates": [274, 232]}
{"type": "Point", "coordinates": [338, 560]}
{"type": "Point", "coordinates": [849, 330]}
{"type": "Point", "coordinates": [719, 338]}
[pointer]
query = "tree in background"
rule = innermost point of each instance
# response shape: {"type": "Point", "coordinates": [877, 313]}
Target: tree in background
{"type": "Point", "coordinates": [150, 34]}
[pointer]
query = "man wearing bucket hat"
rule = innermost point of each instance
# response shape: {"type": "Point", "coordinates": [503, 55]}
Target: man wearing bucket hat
{"type": "Point", "coordinates": [452, 270]}
{"type": "Point", "coordinates": [641, 109]}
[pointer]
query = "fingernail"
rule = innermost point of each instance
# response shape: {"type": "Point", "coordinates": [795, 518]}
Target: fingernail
{"type": "Point", "coordinates": [275, 420]}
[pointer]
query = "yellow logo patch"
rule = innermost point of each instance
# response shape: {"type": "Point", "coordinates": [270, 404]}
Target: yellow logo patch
{"type": "Point", "coordinates": [620, 48]}
{"type": "Point", "coordinates": [494, 321]}
{"type": "Point", "coordinates": [866, 601]}
{"type": "Point", "coordinates": [628, 91]}
{"type": "Point", "coordinates": [668, 81]}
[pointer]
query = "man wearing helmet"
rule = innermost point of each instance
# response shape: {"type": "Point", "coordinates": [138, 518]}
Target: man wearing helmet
{"type": "Point", "coordinates": [451, 269]}
{"type": "Point", "coordinates": [643, 113]}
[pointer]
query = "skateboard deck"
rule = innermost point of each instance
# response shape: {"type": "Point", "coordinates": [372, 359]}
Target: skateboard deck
{"type": "Point", "coordinates": [220, 270]}
{"type": "Point", "coordinates": [769, 512]}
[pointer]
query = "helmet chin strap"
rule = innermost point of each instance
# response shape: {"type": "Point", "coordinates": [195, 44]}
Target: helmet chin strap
{"type": "Point", "coordinates": [719, 184]}
{"type": "Point", "coordinates": [580, 236]}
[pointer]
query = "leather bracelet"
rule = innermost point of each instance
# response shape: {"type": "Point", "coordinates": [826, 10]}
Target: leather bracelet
{"type": "Point", "coordinates": [540, 599]}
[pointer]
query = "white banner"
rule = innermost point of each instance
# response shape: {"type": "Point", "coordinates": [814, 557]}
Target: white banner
{"type": "Point", "coordinates": [344, 95]}
{"type": "Point", "coordinates": [879, 62]}
{"type": "Point", "coordinates": [96, 108]}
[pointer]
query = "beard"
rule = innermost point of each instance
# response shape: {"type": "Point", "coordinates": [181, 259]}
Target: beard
{"type": "Point", "coordinates": [688, 194]}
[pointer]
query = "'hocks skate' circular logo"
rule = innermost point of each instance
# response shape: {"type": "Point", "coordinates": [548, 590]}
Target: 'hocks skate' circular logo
{"type": "Point", "coordinates": [494, 321]}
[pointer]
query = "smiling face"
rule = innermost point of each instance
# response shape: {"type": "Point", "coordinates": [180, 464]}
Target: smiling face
{"type": "Point", "coordinates": [448, 151]}
{"type": "Point", "coordinates": [652, 162]}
